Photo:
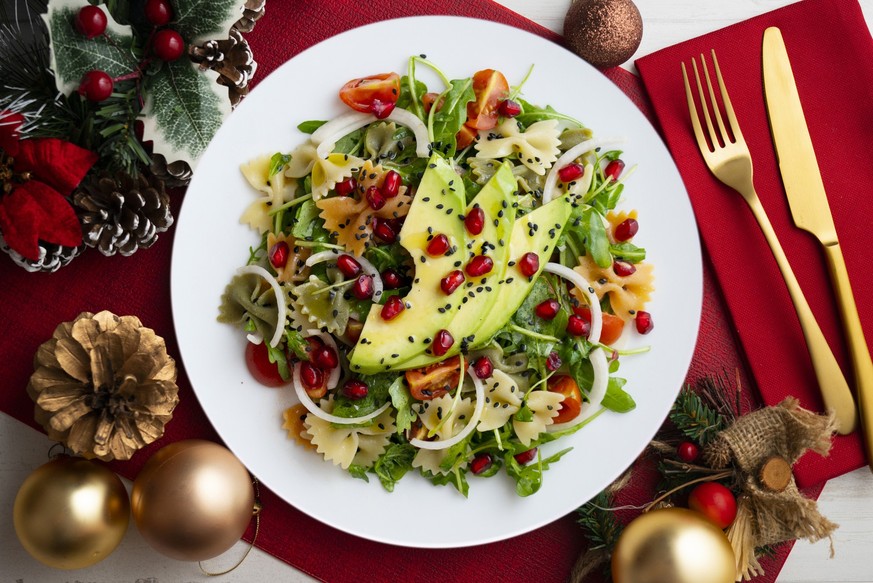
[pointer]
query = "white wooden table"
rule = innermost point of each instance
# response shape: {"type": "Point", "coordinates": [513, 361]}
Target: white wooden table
{"type": "Point", "coordinates": [847, 500]}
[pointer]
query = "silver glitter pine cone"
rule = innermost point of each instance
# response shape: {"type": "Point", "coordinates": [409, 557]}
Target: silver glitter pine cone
{"type": "Point", "coordinates": [51, 257]}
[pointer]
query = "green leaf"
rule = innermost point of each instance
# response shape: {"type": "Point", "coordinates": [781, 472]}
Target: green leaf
{"type": "Point", "coordinates": [309, 127]}
{"type": "Point", "coordinates": [393, 464]}
{"type": "Point", "coordinates": [277, 356]}
{"type": "Point", "coordinates": [201, 20]}
{"type": "Point", "coordinates": [402, 402]}
{"type": "Point", "coordinates": [616, 398]}
{"type": "Point", "coordinates": [297, 343]}
{"type": "Point", "coordinates": [529, 478]}
{"type": "Point", "coordinates": [629, 252]}
{"type": "Point", "coordinates": [185, 108]}
{"type": "Point", "coordinates": [405, 99]}
{"type": "Point", "coordinates": [532, 113]}
{"type": "Point", "coordinates": [277, 162]}
{"type": "Point", "coordinates": [359, 472]}
{"type": "Point", "coordinates": [73, 55]}
{"type": "Point", "coordinates": [452, 115]}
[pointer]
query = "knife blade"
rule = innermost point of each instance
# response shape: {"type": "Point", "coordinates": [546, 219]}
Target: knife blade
{"type": "Point", "coordinates": [810, 210]}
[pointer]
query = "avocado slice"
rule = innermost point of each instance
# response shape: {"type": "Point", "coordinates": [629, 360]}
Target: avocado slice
{"type": "Point", "coordinates": [439, 201]}
{"type": "Point", "coordinates": [479, 294]}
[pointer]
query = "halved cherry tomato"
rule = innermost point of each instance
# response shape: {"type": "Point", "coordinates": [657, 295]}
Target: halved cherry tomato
{"type": "Point", "coordinates": [428, 99]}
{"type": "Point", "coordinates": [434, 380]}
{"type": "Point", "coordinates": [491, 89]}
{"type": "Point", "coordinates": [465, 137]}
{"type": "Point", "coordinates": [572, 403]}
{"type": "Point", "coordinates": [258, 363]}
{"type": "Point", "coordinates": [376, 94]}
{"type": "Point", "coordinates": [612, 324]}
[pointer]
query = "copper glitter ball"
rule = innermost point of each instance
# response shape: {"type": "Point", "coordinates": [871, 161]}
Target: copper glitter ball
{"type": "Point", "coordinates": [606, 33]}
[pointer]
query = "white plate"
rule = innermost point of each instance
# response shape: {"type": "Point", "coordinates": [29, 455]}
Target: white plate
{"type": "Point", "coordinates": [210, 244]}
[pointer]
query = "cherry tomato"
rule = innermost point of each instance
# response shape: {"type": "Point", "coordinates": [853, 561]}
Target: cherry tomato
{"type": "Point", "coordinates": [428, 99]}
{"type": "Point", "coordinates": [376, 94]}
{"type": "Point", "coordinates": [572, 403]}
{"type": "Point", "coordinates": [715, 502]}
{"type": "Point", "coordinates": [612, 324]}
{"type": "Point", "coordinates": [491, 90]}
{"type": "Point", "coordinates": [258, 362]}
{"type": "Point", "coordinates": [465, 136]}
{"type": "Point", "coordinates": [434, 380]}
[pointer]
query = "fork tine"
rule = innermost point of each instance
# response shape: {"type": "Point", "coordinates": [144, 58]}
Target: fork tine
{"type": "Point", "coordinates": [704, 104]}
{"type": "Point", "coordinates": [715, 109]}
{"type": "Point", "coordinates": [729, 108]}
{"type": "Point", "coordinates": [692, 109]}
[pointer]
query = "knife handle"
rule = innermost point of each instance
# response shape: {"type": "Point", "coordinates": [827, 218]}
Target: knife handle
{"type": "Point", "coordinates": [862, 366]}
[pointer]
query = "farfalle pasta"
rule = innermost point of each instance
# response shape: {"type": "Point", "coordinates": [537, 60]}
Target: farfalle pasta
{"type": "Point", "coordinates": [536, 147]}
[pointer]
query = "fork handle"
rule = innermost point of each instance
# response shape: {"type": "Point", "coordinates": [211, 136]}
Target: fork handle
{"type": "Point", "coordinates": [833, 386]}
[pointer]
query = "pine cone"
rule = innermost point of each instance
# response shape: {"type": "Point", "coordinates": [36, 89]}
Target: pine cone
{"type": "Point", "coordinates": [252, 11]}
{"type": "Point", "coordinates": [104, 385]}
{"type": "Point", "coordinates": [231, 58]}
{"type": "Point", "coordinates": [122, 213]}
{"type": "Point", "coordinates": [51, 257]}
{"type": "Point", "coordinates": [173, 174]}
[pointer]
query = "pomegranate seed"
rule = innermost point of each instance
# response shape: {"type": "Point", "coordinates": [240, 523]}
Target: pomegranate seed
{"type": "Point", "coordinates": [346, 187]}
{"type": "Point", "coordinates": [526, 456]}
{"type": "Point", "coordinates": [363, 287]}
{"type": "Point", "coordinates": [548, 309]}
{"type": "Point", "coordinates": [391, 279]}
{"type": "Point", "coordinates": [626, 230]}
{"type": "Point", "coordinates": [355, 390]}
{"type": "Point", "coordinates": [348, 265]}
{"type": "Point", "coordinates": [571, 172]}
{"type": "Point", "coordinates": [475, 221]}
{"type": "Point", "coordinates": [393, 306]}
{"type": "Point", "coordinates": [375, 198]}
{"type": "Point", "coordinates": [529, 264]}
{"type": "Point", "coordinates": [509, 108]}
{"type": "Point", "coordinates": [384, 231]}
{"type": "Point", "coordinates": [442, 341]}
{"type": "Point", "coordinates": [623, 268]}
{"type": "Point", "coordinates": [578, 326]}
{"type": "Point", "coordinates": [687, 451]}
{"type": "Point", "coordinates": [481, 463]}
{"type": "Point", "coordinates": [614, 169]}
{"type": "Point", "coordinates": [382, 109]}
{"type": "Point", "coordinates": [325, 358]}
{"type": "Point", "coordinates": [553, 362]}
{"type": "Point", "coordinates": [391, 184]}
{"type": "Point", "coordinates": [644, 322]}
{"type": "Point", "coordinates": [479, 265]}
{"type": "Point", "coordinates": [438, 246]}
{"type": "Point", "coordinates": [311, 376]}
{"type": "Point", "coordinates": [483, 367]}
{"type": "Point", "coordinates": [452, 281]}
{"type": "Point", "coordinates": [279, 254]}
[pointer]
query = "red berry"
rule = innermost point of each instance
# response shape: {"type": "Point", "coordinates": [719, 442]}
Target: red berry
{"type": "Point", "coordinates": [382, 109]}
{"type": "Point", "coordinates": [324, 357]}
{"type": "Point", "coordinates": [483, 367]}
{"type": "Point", "coordinates": [479, 266]}
{"type": "Point", "coordinates": [509, 108]}
{"type": "Point", "coordinates": [715, 502]}
{"type": "Point", "coordinates": [384, 231]}
{"type": "Point", "coordinates": [363, 287]}
{"type": "Point", "coordinates": [452, 281]}
{"type": "Point", "coordinates": [548, 309]}
{"type": "Point", "coordinates": [168, 45]}
{"type": "Point", "coordinates": [687, 451]}
{"type": "Point", "coordinates": [553, 362]}
{"type": "Point", "coordinates": [644, 322]}
{"type": "Point", "coordinates": [311, 376]}
{"type": "Point", "coordinates": [526, 456]}
{"type": "Point", "coordinates": [391, 279]}
{"type": "Point", "coordinates": [437, 246]}
{"type": "Point", "coordinates": [578, 326]}
{"type": "Point", "coordinates": [571, 172]}
{"type": "Point", "coordinates": [614, 169]}
{"type": "Point", "coordinates": [481, 463]}
{"type": "Point", "coordinates": [90, 21]}
{"type": "Point", "coordinates": [346, 187]}
{"type": "Point", "coordinates": [626, 230]}
{"type": "Point", "coordinates": [623, 268]}
{"type": "Point", "coordinates": [158, 12]}
{"type": "Point", "coordinates": [393, 306]}
{"type": "Point", "coordinates": [355, 390]}
{"type": "Point", "coordinates": [391, 184]}
{"type": "Point", "coordinates": [279, 254]}
{"type": "Point", "coordinates": [348, 265]}
{"type": "Point", "coordinates": [475, 220]}
{"type": "Point", "coordinates": [96, 86]}
{"type": "Point", "coordinates": [529, 264]}
{"type": "Point", "coordinates": [442, 341]}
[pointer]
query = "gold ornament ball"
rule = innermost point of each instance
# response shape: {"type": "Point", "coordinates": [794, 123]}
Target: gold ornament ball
{"type": "Point", "coordinates": [71, 513]}
{"type": "Point", "coordinates": [673, 545]}
{"type": "Point", "coordinates": [192, 500]}
{"type": "Point", "coordinates": [606, 33]}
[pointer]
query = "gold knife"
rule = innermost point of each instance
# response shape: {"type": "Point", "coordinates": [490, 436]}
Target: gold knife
{"type": "Point", "coordinates": [809, 207]}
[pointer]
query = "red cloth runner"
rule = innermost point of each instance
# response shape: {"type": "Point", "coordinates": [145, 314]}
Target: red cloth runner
{"type": "Point", "coordinates": [831, 54]}
{"type": "Point", "coordinates": [34, 304]}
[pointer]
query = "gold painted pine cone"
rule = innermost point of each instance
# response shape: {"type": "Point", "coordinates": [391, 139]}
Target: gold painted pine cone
{"type": "Point", "coordinates": [104, 385]}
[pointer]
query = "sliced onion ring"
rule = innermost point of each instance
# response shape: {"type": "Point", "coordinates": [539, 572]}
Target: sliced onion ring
{"type": "Point", "coordinates": [366, 266]}
{"type": "Point", "coordinates": [310, 405]}
{"type": "Point", "coordinates": [595, 396]}
{"type": "Point", "coordinates": [326, 137]}
{"type": "Point", "coordinates": [569, 156]}
{"type": "Point", "coordinates": [281, 306]}
{"type": "Point", "coordinates": [593, 302]}
{"type": "Point", "coordinates": [471, 424]}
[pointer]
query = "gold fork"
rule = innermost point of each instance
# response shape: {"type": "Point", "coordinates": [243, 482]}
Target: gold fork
{"type": "Point", "coordinates": [730, 161]}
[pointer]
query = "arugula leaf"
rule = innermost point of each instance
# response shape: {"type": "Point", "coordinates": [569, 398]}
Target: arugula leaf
{"type": "Point", "coordinates": [404, 101]}
{"type": "Point", "coordinates": [531, 114]}
{"type": "Point", "coordinates": [277, 356]}
{"type": "Point", "coordinates": [377, 393]}
{"type": "Point", "coordinates": [452, 115]}
{"type": "Point", "coordinates": [402, 402]}
{"type": "Point", "coordinates": [393, 464]}
{"type": "Point", "coordinates": [309, 127]}
{"type": "Point", "coordinates": [629, 252]}
{"type": "Point", "coordinates": [596, 239]}
{"type": "Point", "coordinates": [359, 472]}
{"type": "Point", "coordinates": [529, 479]}
{"type": "Point", "coordinates": [616, 398]}
{"type": "Point", "coordinates": [524, 414]}
{"type": "Point", "coordinates": [457, 478]}
{"type": "Point", "coordinates": [277, 162]}
{"type": "Point", "coordinates": [297, 343]}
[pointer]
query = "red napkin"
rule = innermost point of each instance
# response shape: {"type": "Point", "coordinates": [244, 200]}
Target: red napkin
{"type": "Point", "coordinates": [831, 53]}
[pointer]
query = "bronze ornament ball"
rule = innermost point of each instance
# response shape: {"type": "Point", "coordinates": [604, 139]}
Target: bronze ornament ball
{"type": "Point", "coordinates": [606, 33]}
{"type": "Point", "coordinates": [192, 500]}
{"type": "Point", "coordinates": [71, 513]}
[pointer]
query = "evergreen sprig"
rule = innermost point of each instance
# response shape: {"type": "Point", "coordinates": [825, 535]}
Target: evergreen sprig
{"type": "Point", "coordinates": [596, 518]}
{"type": "Point", "coordinates": [695, 418]}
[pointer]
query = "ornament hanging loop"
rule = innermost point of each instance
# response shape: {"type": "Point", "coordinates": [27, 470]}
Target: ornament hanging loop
{"type": "Point", "coordinates": [256, 513]}
{"type": "Point", "coordinates": [53, 452]}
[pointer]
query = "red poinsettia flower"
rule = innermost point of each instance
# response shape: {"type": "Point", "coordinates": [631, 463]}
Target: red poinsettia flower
{"type": "Point", "coordinates": [35, 175]}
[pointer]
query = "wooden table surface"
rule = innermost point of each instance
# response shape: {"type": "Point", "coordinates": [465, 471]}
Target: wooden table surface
{"type": "Point", "coordinates": [847, 500]}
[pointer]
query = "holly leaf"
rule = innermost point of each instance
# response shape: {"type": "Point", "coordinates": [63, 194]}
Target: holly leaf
{"type": "Point", "coordinates": [201, 20]}
{"type": "Point", "coordinates": [73, 55]}
{"type": "Point", "coordinates": [185, 108]}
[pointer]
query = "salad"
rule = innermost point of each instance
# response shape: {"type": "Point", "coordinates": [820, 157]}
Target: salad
{"type": "Point", "coordinates": [443, 277]}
